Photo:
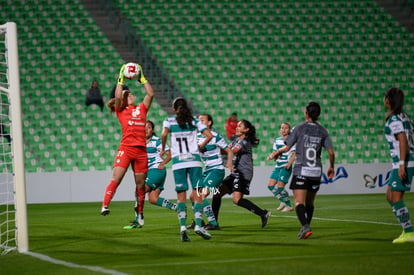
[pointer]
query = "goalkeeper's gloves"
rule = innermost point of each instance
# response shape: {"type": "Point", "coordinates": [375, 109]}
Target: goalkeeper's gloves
{"type": "Point", "coordinates": [141, 78]}
{"type": "Point", "coordinates": [121, 75]}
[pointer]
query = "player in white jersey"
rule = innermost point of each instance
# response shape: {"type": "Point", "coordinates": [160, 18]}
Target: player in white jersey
{"type": "Point", "coordinates": [399, 132]}
{"type": "Point", "coordinates": [186, 162]}
{"type": "Point", "coordinates": [283, 169]}
{"type": "Point", "coordinates": [310, 137]}
{"type": "Point", "coordinates": [157, 173]}
{"type": "Point", "coordinates": [214, 172]}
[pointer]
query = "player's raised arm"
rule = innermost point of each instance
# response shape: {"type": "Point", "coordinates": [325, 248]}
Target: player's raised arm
{"type": "Point", "coordinates": [148, 88]}
{"type": "Point", "coordinates": [229, 159]}
{"type": "Point", "coordinates": [119, 96]}
{"type": "Point", "coordinates": [208, 136]}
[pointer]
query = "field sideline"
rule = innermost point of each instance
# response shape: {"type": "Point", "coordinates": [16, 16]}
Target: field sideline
{"type": "Point", "coordinates": [352, 234]}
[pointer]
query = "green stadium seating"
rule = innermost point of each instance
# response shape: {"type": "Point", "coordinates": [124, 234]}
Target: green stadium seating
{"type": "Point", "coordinates": [263, 59]}
{"type": "Point", "coordinates": [337, 53]}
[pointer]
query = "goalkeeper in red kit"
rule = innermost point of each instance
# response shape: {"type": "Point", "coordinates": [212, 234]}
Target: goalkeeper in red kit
{"type": "Point", "coordinates": [132, 149]}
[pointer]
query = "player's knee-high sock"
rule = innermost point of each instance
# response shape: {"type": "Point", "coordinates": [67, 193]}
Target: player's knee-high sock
{"type": "Point", "coordinates": [401, 211]}
{"type": "Point", "coordinates": [109, 192]}
{"type": "Point", "coordinates": [166, 203]}
{"type": "Point", "coordinates": [277, 194]}
{"type": "Point", "coordinates": [208, 211]}
{"type": "Point", "coordinates": [140, 198]}
{"type": "Point", "coordinates": [215, 205]}
{"type": "Point", "coordinates": [271, 187]}
{"type": "Point", "coordinates": [245, 203]}
{"type": "Point", "coordinates": [309, 212]}
{"type": "Point", "coordinates": [182, 214]}
{"type": "Point", "coordinates": [301, 213]}
{"type": "Point", "coordinates": [284, 196]}
{"type": "Point", "coordinates": [198, 213]}
{"type": "Point", "coordinates": [393, 208]}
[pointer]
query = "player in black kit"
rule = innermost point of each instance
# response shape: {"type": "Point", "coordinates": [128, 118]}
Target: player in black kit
{"type": "Point", "coordinates": [309, 138]}
{"type": "Point", "coordinates": [238, 183]}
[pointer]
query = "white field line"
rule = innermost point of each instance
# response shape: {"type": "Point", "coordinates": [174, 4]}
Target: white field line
{"type": "Point", "coordinates": [342, 220]}
{"type": "Point", "coordinates": [281, 258]}
{"type": "Point", "coordinates": [73, 265]}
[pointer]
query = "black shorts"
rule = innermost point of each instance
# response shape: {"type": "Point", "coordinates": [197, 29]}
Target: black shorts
{"type": "Point", "coordinates": [299, 182]}
{"type": "Point", "coordinates": [236, 183]}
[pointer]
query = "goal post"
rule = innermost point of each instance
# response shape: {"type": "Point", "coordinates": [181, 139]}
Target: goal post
{"type": "Point", "coordinates": [15, 170]}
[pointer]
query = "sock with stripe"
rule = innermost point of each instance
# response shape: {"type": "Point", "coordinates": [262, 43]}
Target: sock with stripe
{"type": "Point", "coordinates": [401, 212]}
{"type": "Point", "coordinates": [284, 196]}
{"type": "Point", "coordinates": [166, 204]}
{"type": "Point", "coordinates": [208, 211]}
{"type": "Point", "coordinates": [182, 213]}
{"type": "Point", "coordinates": [198, 213]}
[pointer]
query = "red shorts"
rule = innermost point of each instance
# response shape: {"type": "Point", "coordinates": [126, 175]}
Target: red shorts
{"type": "Point", "coordinates": [134, 155]}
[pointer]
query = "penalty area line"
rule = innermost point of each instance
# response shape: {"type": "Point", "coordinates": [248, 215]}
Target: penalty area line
{"type": "Point", "coordinates": [73, 265]}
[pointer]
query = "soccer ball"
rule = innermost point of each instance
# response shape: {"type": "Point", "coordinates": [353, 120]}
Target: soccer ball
{"type": "Point", "coordinates": [131, 71]}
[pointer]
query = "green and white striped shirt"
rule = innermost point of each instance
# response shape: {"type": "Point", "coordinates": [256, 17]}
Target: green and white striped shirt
{"type": "Point", "coordinates": [284, 158]}
{"type": "Point", "coordinates": [153, 151]}
{"type": "Point", "coordinates": [212, 156]}
{"type": "Point", "coordinates": [396, 124]}
{"type": "Point", "coordinates": [184, 145]}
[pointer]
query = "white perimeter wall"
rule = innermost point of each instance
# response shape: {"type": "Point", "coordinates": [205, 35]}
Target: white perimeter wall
{"type": "Point", "coordinates": [90, 186]}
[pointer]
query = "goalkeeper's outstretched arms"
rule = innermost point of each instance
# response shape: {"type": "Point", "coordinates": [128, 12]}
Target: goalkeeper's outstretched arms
{"type": "Point", "coordinates": [123, 97]}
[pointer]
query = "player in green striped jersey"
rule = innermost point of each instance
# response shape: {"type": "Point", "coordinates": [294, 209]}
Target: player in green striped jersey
{"type": "Point", "coordinates": [283, 169]}
{"type": "Point", "coordinates": [154, 184]}
{"type": "Point", "coordinates": [186, 162]}
{"type": "Point", "coordinates": [399, 132]}
{"type": "Point", "coordinates": [214, 172]}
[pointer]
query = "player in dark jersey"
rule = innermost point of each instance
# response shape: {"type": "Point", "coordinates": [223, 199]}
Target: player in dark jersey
{"type": "Point", "coordinates": [238, 183]}
{"type": "Point", "coordinates": [132, 148]}
{"type": "Point", "coordinates": [309, 138]}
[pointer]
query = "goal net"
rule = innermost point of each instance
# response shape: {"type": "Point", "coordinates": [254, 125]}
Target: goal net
{"type": "Point", "coordinates": [13, 217]}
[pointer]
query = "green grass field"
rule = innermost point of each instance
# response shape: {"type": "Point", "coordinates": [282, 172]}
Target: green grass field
{"type": "Point", "coordinates": [352, 234]}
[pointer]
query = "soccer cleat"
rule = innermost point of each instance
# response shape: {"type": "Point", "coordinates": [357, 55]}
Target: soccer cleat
{"type": "Point", "coordinates": [287, 208]}
{"type": "Point", "coordinates": [105, 211]}
{"type": "Point", "coordinates": [141, 219]}
{"type": "Point", "coordinates": [202, 232]}
{"type": "Point", "coordinates": [133, 225]}
{"type": "Point", "coordinates": [399, 237]}
{"type": "Point", "coordinates": [210, 226]}
{"type": "Point", "coordinates": [405, 238]}
{"type": "Point", "coordinates": [305, 232]}
{"type": "Point", "coordinates": [192, 225]}
{"type": "Point", "coordinates": [265, 218]}
{"type": "Point", "coordinates": [282, 205]}
{"type": "Point", "coordinates": [184, 236]}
